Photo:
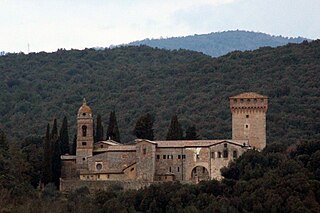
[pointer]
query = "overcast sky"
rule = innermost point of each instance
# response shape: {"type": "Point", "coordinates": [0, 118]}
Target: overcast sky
{"type": "Point", "coordinates": [48, 25]}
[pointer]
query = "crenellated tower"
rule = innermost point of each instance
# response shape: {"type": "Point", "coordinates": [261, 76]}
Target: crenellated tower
{"type": "Point", "coordinates": [249, 118]}
{"type": "Point", "coordinates": [84, 134]}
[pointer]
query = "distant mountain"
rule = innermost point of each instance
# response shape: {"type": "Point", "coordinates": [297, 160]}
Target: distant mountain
{"type": "Point", "coordinates": [220, 43]}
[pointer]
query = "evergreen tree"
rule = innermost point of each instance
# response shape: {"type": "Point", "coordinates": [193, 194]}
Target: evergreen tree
{"type": "Point", "coordinates": [175, 131]}
{"type": "Point", "coordinates": [55, 150]}
{"type": "Point", "coordinates": [113, 130]}
{"type": "Point", "coordinates": [64, 137]}
{"type": "Point", "coordinates": [99, 129]}
{"type": "Point", "coordinates": [191, 133]}
{"type": "Point", "coordinates": [47, 163]}
{"type": "Point", "coordinates": [74, 145]}
{"type": "Point", "coordinates": [144, 127]}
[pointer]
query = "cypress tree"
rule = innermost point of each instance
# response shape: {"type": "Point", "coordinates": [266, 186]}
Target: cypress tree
{"type": "Point", "coordinates": [113, 130]}
{"type": "Point", "coordinates": [47, 163]}
{"type": "Point", "coordinates": [56, 162]}
{"type": "Point", "coordinates": [144, 127]}
{"type": "Point", "coordinates": [64, 137]}
{"type": "Point", "coordinates": [175, 131]}
{"type": "Point", "coordinates": [191, 133]}
{"type": "Point", "coordinates": [99, 129]}
{"type": "Point", "coordinates": [74, 145]}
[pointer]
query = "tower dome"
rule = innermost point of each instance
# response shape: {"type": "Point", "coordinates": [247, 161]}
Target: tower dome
{"type": "Point", "coordinates": [84, 109]}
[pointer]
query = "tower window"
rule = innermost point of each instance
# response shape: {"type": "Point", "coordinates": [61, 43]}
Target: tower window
{"type": "Point", "coordinates": [247, 116]}
{"type": "Point", "coordinates": [178, 169]}
{"type": "Point", "coordinates": [225, 154]}
{"type": "Point", "coordinates": [170, 169]}
{"type": "Point", "coordinates": [164, 156]}
{"type": "Point", "coordinates": [225, 145]}
{"type": "Point", "coordinates": [84, 143]}
{"type": "Point", "coordinates": [219, 154]}
{"type": "Point", "coordinates": [84, 130]}
{"type": "Point", "coordinates": [247, 126]}
{"type": "Point", "coordinates": [179, 156]}
{"type": "Point", "coordinates": [84, 114]}
{"type": "Point", "coordinates": [158, 157]}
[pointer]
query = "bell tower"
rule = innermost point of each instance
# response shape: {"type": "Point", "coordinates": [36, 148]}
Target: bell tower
{"type": "Point", "coordinates": [249, 118]}
{"type": "Point", "coordinates": [84, 135]}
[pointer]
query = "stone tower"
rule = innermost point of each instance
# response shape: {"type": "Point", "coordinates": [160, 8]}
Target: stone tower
{"type": "Point", "coordinates": [249, 118]}
{"type": "Point", "coordinates": [84, 135]}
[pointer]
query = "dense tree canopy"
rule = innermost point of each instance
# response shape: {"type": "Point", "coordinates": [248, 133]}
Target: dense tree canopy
{"type": "Point", "coordinates": [138, 80]}
{"type": "Point", "coordinates": [144, 127]}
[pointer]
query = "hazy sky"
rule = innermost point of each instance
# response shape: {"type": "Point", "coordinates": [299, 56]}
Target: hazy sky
{"type": "Point", "coordinates": [48, 25]}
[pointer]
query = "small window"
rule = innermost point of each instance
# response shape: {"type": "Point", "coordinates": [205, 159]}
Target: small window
{"type": "Point", "coordinates": [99, 166]}
{"type": "Point", "coordinates": [247, 126]}
{"type": "Point", "coordinates": [203, 170]}
{"type": "Point", "coordinates": [219, 154]}
{"type": "Point", "coordinates": [248, 100]}
{"type": "Point", "coordinates": [84, 114]}
{"type": "Point", "coordinates": [83, 159]}
{"type": "Point", "coordinates": [144, 150]}
{"type": "Point", "coordinates": [108, 176]}
{"type": "Point", "coordinates": [132, 169]}
{"type": "Point", "coordinates": [183, 156]}
{"type": "Point", "coordinates": [158, 157]}
{"type": "Point", "coordinates": [164, 156]}
{"type": "Point", "coordinates": [235, 154]}
{"type": "Point", "coordinates": [198, 157]}
{"type": "Point", "coordinates": [178, 169]}
{"type": "Point", "coordinates": [101, 146]}
{"type": "Point", "coordinates": [84, 130]}
{"type": "Point", "coordinates": [84, 143]}
{"type": "Point", "coordinates": [225, 145]}
{"type": "Point", "coordinates": [225, 154]}
{"type": "Point", "coordinates": [212, 155]}
{"type": "Point", "coordinates": [247, 116]}
{"type": "Point", "coordinates": [241, 100]}
{"type": "Point", "coordinates": [179, 156]}
{"type": "Point", "coordinates": [98, 176]}
{"type": "Point", "coordinates": [170, 169]}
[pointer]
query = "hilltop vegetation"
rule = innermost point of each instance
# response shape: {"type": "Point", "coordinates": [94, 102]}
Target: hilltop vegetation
{"type": "Point", "coordinates": [219, 43]}
{"type": "Point", "coordinates": [133, 81]}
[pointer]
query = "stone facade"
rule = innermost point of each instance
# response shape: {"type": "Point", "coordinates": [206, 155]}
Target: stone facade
{"type": "Point", "coordinates": [143, 162]}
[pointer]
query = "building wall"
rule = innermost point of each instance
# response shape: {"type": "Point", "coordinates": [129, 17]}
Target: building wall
{"type": "Point", "coordinates": [249, 120]}
{"type": "Point", "coordinates": [145, 158]}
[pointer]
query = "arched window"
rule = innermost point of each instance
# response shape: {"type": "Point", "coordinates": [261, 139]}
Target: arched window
{"type": "Point", "coordinates": [225, 153]}
{"type": "Point", "coordinates": [84, 130]}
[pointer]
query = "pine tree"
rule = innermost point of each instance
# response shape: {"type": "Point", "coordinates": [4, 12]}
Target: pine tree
{"type": "Point", "coordinates": [113, 130]}
{"type": "Point", "coordinates": [99, 129]}
{"type": "Point", "coordinates": [64, 137]}
{"type": "Point", "coordinates": [47, 159]}
{"type": "Point", "coordinates": [175, 131]}
{"type": "Point", "coordinates": [144, 127]}
{"type": "Point", "coordinates": [191, 133]}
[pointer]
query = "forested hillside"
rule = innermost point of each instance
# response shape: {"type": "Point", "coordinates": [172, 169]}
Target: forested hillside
{"type": "Point", "coordinates": [219, 43]}
{"type": "Point", "coordinates": [133, 81]}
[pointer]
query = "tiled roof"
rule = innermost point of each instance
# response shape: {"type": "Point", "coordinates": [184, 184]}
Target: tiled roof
{"type": "Point", "coordinates": [195, 143]}
{"type": "Point", "coordinates": [249, 95]}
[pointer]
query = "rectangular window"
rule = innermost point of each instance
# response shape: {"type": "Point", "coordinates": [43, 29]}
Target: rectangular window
{"type": "Point", "coordinates": [219, 154]}
{"type": "Point", "coordinates": [178, 169]}
{"type": "Point", "coordinates": [144, 151]}
{"type": "Point", "coordinates": [225, 153]}
{"type": "Point", "coordinates": [179, 156]}
{"type": "Point", "coordinates": [164, 156]}
{"type": "Point", "coordinates": [170, 169]}
{"type": "Point", "coordinates": [212, 155]}
{"type": "Point", "coordinates": [183, 156]}
{"type": "Point", "coordinates": [247, 116]}
{"type": "Point", "coordinates": [84, 143]}
{"type": "Point", "coordinates": [158, 157]}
